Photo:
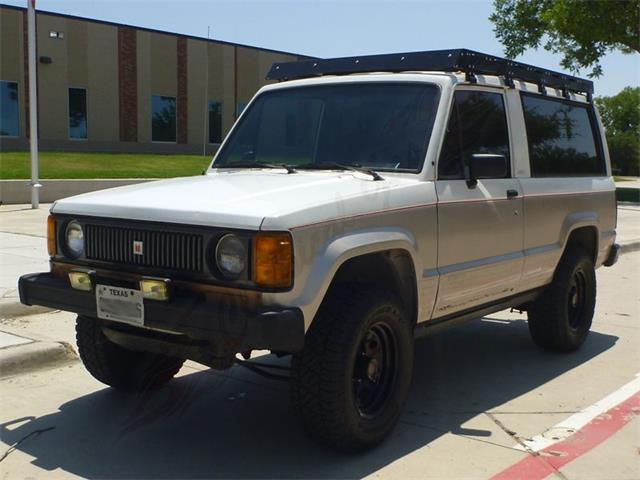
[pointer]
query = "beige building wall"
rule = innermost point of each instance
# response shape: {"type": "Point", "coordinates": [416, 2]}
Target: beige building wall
{"type": "Point", "coordinates": [88, 57]}
{"type": "Point", "coordinates": [77, 54]}
{"type": "Point", "coordinates": [163, 64]}
{"type": "Point", "coordinates": [102, 82]}
{"type": "Point", "coordinates": [248, 71]}
{"type": "Point", "coordinates": [52, 80]}
{"type": "Point", "coordinates": [226, 78]}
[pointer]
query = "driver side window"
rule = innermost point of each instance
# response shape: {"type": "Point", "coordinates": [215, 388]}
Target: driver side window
{"type": "Point", "coordinates": [477, 125]}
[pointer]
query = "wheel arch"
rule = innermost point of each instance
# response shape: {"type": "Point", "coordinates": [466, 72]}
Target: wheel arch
{"type": "Point", "coordinates": [582, 229]}
{"type": "Point", "coordinates": [346, 257]}
{"type": "Point", "coordinates": [393, 270]}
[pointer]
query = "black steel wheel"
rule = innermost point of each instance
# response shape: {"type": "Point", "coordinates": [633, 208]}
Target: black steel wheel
{"type": "Point", "coordinates": [352, 379]}
{"type": "Point", "coordinates": [374, 372]}
{"type": "Point", "coordinates": [561, 318]}
{"type": "Point", "coordinates": [577, 298]}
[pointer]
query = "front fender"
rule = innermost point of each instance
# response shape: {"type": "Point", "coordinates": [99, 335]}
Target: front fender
{"type": "Point", "coordinates": [338, 250]}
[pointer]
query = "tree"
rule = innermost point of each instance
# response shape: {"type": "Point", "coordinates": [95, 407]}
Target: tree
{"type": "Point", "coordinates": [582, 31]}
{"type": "Point", "coordinates": [621, 118]}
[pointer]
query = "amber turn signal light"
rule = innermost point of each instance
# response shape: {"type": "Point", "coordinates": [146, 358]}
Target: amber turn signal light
{"type": "Point", "coordinates": [273, 260]}
{"type": "Point", "coordinates": [52, 245]}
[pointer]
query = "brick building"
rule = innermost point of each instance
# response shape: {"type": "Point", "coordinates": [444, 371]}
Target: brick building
{"type": "Point", "coordinates": [111, 87]}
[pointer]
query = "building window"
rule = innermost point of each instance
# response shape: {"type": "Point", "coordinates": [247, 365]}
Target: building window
{"type": "Point", "coordinates": [78, 113]}
{"type": "Point", "coordinates": [9, 108]}
{"type": "Point", "coordinates": [163, 118]}
{"type": "Point", "coordinates": [561, 137]}
{"type": "Point", "coordinates": [215, 122]}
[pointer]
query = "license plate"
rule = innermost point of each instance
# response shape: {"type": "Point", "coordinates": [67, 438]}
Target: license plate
{"type": "Point", "coordinates": [120, 304]}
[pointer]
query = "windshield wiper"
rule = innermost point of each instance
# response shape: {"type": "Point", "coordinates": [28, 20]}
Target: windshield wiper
{"type": "Point", "coordinates": [249, 164]}
{"type": "Point", "coordinates": [340, 166]}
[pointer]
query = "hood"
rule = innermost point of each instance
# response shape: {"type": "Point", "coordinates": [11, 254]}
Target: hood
{"type": "Point", "coordinates": [238, 199]}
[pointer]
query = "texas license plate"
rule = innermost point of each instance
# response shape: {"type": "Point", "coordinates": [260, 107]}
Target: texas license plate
{"type": "Point", "coordinates": [120, 304]}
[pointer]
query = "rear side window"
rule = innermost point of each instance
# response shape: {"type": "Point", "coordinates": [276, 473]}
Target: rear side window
{"type": "Point", "coordinates": [477, 125]}
{"type": "Point", "coordinates": [561, 138]}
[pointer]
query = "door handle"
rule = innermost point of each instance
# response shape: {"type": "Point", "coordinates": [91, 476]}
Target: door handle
{"type": "Point", "coordinates": [512, 193]}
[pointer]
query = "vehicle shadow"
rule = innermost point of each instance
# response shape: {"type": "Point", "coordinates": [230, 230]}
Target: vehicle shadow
{"type": "Point", "coordinates": [236, 425]}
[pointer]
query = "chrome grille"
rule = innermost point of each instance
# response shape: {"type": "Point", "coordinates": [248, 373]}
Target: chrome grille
{"type": "Point", "coordinates": [160, 249]}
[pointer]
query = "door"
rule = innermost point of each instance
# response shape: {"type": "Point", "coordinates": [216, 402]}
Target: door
{"type": "Point", "coordinates": [480, 226]}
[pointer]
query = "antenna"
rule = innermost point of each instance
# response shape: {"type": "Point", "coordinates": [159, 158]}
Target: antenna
{"type": "Point", "coordinates": [205, 130]}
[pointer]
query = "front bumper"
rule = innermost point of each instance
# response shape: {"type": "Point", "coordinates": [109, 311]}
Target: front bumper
{"type": "Point", "coordinates": [190, 324]}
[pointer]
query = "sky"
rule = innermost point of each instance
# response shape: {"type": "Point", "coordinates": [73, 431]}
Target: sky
{"type": "Point", "coordinates": [329, 28]}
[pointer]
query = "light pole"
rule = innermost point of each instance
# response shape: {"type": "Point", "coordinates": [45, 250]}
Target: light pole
{"type": "Point", "coordinates": [33, 104]}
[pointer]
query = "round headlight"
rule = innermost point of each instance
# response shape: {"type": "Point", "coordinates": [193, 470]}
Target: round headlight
{"type": "Point", "coordinates": [74, 239]}
{"type": "Point", "coordinates": [231, 256]}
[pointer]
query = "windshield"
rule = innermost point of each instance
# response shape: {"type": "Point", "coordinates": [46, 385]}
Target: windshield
{"type": "Point", "coordinates": [382, 126]}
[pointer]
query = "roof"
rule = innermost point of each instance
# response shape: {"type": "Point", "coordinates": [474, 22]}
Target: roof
{"type": "Point", "coordinates": [469, 62]}
{"type": "Point", "coordinates": [152, 30]}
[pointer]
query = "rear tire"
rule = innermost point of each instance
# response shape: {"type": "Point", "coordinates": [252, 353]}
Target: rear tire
{"type": "Point", "coordinates": [117, 366]}
{"type": "Point", "coordinates": [560, 319]}
{"type": "Point", "coordinates": [351, 381]}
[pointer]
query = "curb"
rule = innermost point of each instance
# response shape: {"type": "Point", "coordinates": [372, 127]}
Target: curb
{"type": "Point", "coordinates": [629, 247]}
{"type": "Point", "coordinates": [34, 356]}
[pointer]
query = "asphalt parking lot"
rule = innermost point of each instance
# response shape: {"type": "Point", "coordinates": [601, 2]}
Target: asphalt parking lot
{"type": "Point", "coordinates": [484, 402]}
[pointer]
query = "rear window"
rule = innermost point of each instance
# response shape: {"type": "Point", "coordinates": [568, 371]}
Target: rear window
{"type": "Point", "coordinates": [561, 138]}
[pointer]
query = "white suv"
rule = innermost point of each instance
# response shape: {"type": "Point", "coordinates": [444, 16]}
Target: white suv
{"type": "Point", "coordinates": [356, 204]}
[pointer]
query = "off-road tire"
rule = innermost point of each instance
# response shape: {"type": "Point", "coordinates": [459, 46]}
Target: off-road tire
{"type": "Point", "coordinates": [323, 383]}
{"type": "Point", "coordinates": [555, 323]}
{"type": "Point", "coordinates": [118, 367]}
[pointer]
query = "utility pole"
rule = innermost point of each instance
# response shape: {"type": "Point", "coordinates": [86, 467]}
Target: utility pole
{"type": "Point", "coordinates": [33, 104]}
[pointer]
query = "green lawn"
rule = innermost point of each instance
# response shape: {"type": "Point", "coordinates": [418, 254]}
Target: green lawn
{"type": "Point", "coordinates": [16, 165]}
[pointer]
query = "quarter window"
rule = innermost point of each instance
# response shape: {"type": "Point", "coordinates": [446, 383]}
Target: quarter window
{"type": "Point", "coordinates": [477, 125]}
{"type": "Point", "coordinates": [215, 122]}
{"type": "Point", "coordinates": [561, 138]}
{"type": "Point", "coordinates": [9, 108]}
{"type": "Point", "coordinates": [77, 113]}
{"type": "Point", "coordinates": [163, 118]}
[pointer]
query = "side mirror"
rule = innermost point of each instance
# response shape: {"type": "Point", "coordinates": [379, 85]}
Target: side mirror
{"type": "Point", "coordinates": [486, 165]}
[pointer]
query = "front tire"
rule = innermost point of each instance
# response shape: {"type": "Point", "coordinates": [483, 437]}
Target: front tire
{"type": "Point", "coordinates": [560, 319]}
{"type": "Point", "coordinates": [351, 381]}
{"type": "Point", "coordinates": [118, 367]}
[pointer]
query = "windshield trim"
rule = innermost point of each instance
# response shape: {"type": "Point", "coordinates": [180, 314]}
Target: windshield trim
{"type": "Point", "coordinates": [390, 81]}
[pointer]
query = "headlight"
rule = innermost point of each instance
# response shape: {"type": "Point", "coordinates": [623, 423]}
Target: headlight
{"type": "Point", "coordinates": [231, 256]}
{"type": "Point", "coordinates": [74, 239]}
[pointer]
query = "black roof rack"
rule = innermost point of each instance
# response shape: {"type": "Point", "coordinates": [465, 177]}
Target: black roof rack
{"type": "Point", "coordinates": [457, 60]}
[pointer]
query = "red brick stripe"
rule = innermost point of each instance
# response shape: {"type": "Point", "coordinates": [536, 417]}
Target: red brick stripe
{"type": "Point", "coordinates": [128, 84]}
{"type": "Point", "coordinates": [183, 97]}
